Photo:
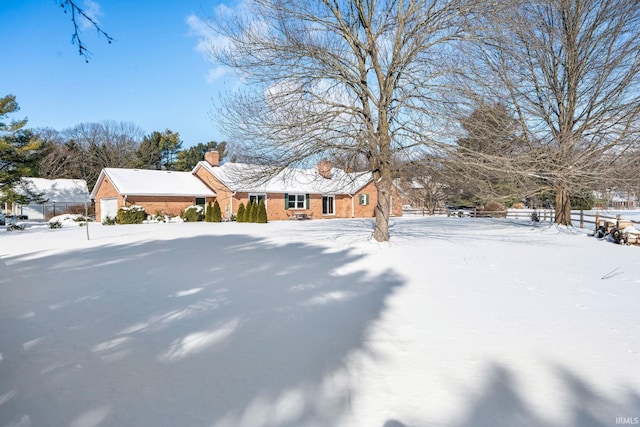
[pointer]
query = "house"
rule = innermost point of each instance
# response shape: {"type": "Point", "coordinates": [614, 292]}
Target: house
{"type": "Point", "coordinates": [321, 192]}
{"type": "Point", "coordinates": [158, 191]}
{"type": "Point", "coordinates": [58, 196]}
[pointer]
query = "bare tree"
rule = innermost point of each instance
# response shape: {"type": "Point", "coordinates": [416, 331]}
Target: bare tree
{"type": "Point", "coordinates": [88, 147]}
{"type": "Point", "coordinates": [571, 71]}
{"type": "Point", "coordinates": [342, 77]}
{"type": "Point", "coordinates": [79, 17]}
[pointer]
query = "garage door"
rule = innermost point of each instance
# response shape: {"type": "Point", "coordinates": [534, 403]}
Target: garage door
{"type": "Point", "coordinates": [108, 208]}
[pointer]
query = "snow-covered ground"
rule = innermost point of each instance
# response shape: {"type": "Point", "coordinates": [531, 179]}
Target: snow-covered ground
{"type": "Point", "coordinates": [455, 322]}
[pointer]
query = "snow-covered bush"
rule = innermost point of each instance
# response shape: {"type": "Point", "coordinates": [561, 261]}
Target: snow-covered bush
{"type": "Point", "coordinates": [193, 214]}
{"type": "Point", "coordinates": [131, 215]}
{"type": "Point", "coordinates": [55, 224]}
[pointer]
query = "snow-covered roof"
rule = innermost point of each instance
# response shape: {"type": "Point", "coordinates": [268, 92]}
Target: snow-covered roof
{"type": "Point", "coordinates": [57, 190]}
{"type": "Point", "coordinates": [254, 178]}
{"type": "Point", "coordinates": [142, 182]}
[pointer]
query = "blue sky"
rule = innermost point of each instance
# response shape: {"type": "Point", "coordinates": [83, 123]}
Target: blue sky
{"type": "Point", "coordinates": [154, 74]}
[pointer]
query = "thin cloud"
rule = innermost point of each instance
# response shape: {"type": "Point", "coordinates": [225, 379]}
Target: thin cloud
{"type": "Point", "coordinates": [93, 11]}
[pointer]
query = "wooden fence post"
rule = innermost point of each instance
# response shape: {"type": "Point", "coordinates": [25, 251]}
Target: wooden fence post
{"type": "Point", "coordinates": [581, 218]}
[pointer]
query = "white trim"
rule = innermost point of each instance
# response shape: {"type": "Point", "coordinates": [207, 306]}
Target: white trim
{"type": "Point", "coordinates": [257, 195]}
{"type": "Point", "coordinates": [333, 205]}
{"type": "Point", "coordinates": [304, 201]}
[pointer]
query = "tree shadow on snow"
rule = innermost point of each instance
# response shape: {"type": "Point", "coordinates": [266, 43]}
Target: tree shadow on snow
{"type": "Point", "coordinates": [502, 402]}
{"type": "Point", "coordinates": [204, 331]}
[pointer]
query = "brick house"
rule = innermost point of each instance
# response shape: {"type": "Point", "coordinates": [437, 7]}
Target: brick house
{"type": "Point", "coordinates": [321, 192]}
{"type": "Point", "coordinates": [166, 192]}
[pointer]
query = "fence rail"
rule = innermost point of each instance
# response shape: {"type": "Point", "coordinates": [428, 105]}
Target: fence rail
{"type": "Point", "coordinates": [583, 219]}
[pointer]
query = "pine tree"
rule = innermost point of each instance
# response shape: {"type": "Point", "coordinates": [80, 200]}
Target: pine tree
{"type": "Point", "coordinates": [261, 218]}
{"type": "Point", "coordinates": [240, 214]}
{"type": "Point", "coordinates": [208, 216]}
{"type": "Point", "coordinates": [216, 214]}
{"type": "Point", "coordinates": [254, 211]}
{"type": "Point", "coordinates": [248, 212]}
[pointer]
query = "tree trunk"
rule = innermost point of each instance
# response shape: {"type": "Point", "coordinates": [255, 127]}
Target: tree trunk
{"type": "Point", "coordinates": [563, 207]}
{"type": "Point", "coordinates": [381, 230]}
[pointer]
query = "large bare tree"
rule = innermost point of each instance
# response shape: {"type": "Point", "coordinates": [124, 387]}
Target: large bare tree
{"type": "Point", "coordinates": [570, 69]}
{"type": "Point", "coordinates": [340, 77]}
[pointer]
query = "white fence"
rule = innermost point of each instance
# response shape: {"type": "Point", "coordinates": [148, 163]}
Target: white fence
{"type": "Point", "coordinates": [582, 219]}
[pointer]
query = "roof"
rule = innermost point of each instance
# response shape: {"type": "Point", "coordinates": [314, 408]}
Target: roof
{"type": "Point", "coordinates": [142, 182]}
{"type": "Point", "coordinates": [57, 190]}
{"type": "Point", "coordinates": [254, 178]}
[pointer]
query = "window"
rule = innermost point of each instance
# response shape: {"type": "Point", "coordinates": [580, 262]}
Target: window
{"type": "Point", "coordinates": [328, 204]}
{"type": "Point", "coordinates": [257, 197]}
{"type": "Point", "coordinates": [296, 201]}
{"type": "Point", "coordinates": [363, 199]}
{"type": "Point", "coordinates": [200, 201]}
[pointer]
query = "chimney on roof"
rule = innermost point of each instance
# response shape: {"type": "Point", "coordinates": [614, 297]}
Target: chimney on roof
{"type": "Point", "coordinates": [212, 157]}
{"type": "Point", "coordinates": [324, 168]}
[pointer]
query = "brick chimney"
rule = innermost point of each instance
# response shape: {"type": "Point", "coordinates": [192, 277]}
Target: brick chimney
{"type": "Point", "coordinates": [212, 157]}
{"type": "Point", "coordinates": [324, 168]}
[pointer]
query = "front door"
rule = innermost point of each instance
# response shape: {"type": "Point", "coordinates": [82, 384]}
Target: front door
{"type": "Point", "coordinates": [328, 205]}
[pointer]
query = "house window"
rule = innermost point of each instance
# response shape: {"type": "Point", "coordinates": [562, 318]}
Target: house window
{"type": "Point", "coordinates": [257, 197]}
{"type": "Point", "coordinates": [296, 201]}
{"type": "Point", "coordinates": [200, 201]}
{"type": "Point", "coordinates": [363, 199]}
{"type": "Point", "coordinates": [328, 205]}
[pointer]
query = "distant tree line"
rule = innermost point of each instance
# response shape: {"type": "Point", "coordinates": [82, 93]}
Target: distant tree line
{"type": "Point", "coordinates": [82, 151]}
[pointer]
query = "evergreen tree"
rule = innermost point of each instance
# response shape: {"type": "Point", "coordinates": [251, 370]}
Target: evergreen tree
{"type": "Point", "coordinates": [240, 214]}
{"type": "Point", "coordinates": [189, 157]}
{"type": "Point", "coordinates": [247, 212]}
{"type": "Point", "coordinates": [216, 214]}
{"type": "Point", "coordinates": [208, 216]}
{"type": "Point", "coordinates": [20, 150]}
{"type": "Point", "coordinates": [254, 212]}
{"type": "Point", "coordinates": [262, 213]}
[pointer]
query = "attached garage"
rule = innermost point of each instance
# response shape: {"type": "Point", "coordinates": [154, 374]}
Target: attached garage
{"type": "Point", "coordinates": [157, 191]}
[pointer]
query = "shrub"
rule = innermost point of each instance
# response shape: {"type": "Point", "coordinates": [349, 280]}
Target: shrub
{"type": "Point", "coordinates": [109, 221]}
{"type": "Point", "coordinates": [535, 217]}
{"type": "Point", "coordinates": [240, 214]}
{"type": "Point", "coordinates": [216, 214]}
{"type": "Point", "coordinates": [248, 212]}
{"type": "Point", "coordinates": [15, 227]}
{"type": "Point", "coordinates": [131, 215]}
{"type": "Point", "coordinates": [254, 212]}
{"type": "Point", "coordinates": [495, 209]}
{"type": "Point", "coordinates": [192, 214]}
{"type": "Point", "coordinates": [584, 201]}
{"type": "Point", "coordinates": [208, 213]}
{"type": "Point", "coordinates": [518, 205]}
{"type": "Point", "coordinates": [55, 224]}
{"type": "Point", "coordinates": [261, 217]}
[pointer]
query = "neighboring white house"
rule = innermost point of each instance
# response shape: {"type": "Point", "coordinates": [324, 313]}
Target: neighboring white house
{"type": "Point", "coordinates": [59, 195]}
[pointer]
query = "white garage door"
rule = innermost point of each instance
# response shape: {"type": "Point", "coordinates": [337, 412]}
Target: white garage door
{"type": "Point", "coordinates": [108, 208]}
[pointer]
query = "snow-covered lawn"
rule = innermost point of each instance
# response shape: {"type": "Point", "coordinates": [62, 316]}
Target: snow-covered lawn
{"type": "Point", "coordinates": [455, 322]}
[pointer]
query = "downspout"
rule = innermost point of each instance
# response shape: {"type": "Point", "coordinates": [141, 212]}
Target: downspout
{"type": "Point", "coordinates": [231, 204]}
{"type": "Point", "coordinates": [353, 206]}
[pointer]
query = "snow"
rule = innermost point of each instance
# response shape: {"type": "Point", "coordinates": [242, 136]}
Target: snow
{"type": "Point", "coordinates": [454, 322]}
{"type": "Point", "coordinates": [141, 182]}
{"type": "Point", "coordinates": [58, 190]}
{"type": "Point", "coordinates": [249, 178]}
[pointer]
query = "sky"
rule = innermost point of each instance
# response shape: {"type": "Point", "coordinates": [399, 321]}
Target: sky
{"type": "Point", "coordinates": [155, 73]}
